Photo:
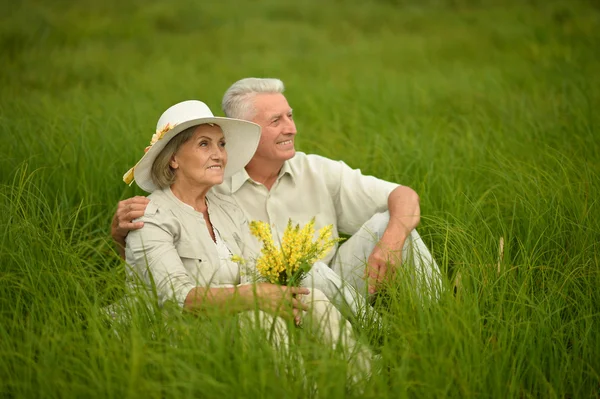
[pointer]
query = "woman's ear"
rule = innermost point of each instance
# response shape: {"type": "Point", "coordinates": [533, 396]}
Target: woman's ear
{"type": "Point", "coordinates": [173, 162]}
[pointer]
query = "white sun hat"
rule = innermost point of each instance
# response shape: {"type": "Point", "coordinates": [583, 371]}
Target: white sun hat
{"type": "Point", "coordinates": [241, 136]}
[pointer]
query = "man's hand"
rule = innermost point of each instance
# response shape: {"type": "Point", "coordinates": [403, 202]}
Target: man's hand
{"type": "Point", "coordinates": [387, 252]}
{"type": "Point", "coordinates": [122, 224]}
{"type": "Point", "coordinates": [280, 301]}
{"type": "Point", "coordinates": [405, 214]}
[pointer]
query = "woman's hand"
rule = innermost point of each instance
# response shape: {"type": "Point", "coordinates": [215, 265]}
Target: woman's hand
{"type": "Point", "coordinates": [279, 300]}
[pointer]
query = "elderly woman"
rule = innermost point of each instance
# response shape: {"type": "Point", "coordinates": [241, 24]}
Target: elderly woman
{"type": "Point", "coordinates": [184, 250]}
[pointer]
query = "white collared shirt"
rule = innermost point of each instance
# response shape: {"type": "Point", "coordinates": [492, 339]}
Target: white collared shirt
{"type": "Point", "coordinates": [311, 186]}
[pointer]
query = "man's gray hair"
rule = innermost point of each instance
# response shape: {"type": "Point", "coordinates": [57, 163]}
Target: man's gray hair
{"type": "Point", "coordinates": [237, 101]}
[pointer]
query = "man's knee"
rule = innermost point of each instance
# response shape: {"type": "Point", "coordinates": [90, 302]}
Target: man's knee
{"type": "Point", "coordinates": [377, 224]}
{"type": "Point", "coordinates": [317, 295]}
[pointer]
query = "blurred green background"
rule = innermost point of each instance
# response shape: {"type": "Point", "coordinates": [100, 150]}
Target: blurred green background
{"type": "Point", "coordinates": [488, 109]}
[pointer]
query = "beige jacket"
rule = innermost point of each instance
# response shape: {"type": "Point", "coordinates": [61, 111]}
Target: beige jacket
{"type": "Point", "coordinates": [174, 251]}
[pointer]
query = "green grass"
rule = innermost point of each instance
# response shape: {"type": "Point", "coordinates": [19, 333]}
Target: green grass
{"type": "Point", "coordinates": [488, 109]}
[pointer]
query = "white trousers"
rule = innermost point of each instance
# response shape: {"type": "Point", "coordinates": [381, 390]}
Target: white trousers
{"type": "Point", "coordinates": [325, 321]}
{"type": "Point", "coordinates": [416, 263]}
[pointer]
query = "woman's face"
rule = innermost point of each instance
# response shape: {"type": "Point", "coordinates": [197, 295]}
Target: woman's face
{"type": "Point", "coordinates": [201, 160]}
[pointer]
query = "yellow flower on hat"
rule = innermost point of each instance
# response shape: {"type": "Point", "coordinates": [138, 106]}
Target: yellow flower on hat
{"type": "Point", "coordinates": [160, 133]}
{"type": "Point", "coordinates": [128, 176]}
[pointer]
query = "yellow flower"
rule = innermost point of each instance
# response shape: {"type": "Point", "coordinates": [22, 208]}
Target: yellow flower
{"type": "Point", "coordinates": [238, 259]}
{"type": "Point", "coordinates": [288, 263]}
{"type": "Point", "coordinates": [262, 231]}
{"type": "Point", "coordinates": [325, 233]}
{"type": "Point", "coordinates": [160, 133]}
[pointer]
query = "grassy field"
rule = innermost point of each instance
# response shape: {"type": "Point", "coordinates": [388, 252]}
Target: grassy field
{"type": "Point", "coordinates": [488, 109]}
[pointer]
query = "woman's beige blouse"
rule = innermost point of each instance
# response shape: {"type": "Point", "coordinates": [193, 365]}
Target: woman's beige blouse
{"type": "Point", "coordinates": [174, 251]}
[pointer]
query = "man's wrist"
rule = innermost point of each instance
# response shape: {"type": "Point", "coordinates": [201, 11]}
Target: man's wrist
{"type": "Point", "coordinates": [395, 232]}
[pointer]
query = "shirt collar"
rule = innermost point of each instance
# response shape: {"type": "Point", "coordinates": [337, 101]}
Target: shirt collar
{"type": "Point", "coordinates": [287, 169]}
{"type": "Point", "coordinates": [241, 177]}
{"type": "Point", "coordinates": [238, 180]}
{"type": "Point", "coordinates": [168, 193]}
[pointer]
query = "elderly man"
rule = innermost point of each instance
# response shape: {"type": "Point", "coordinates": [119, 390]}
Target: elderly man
{"type": "Point", "coordinates": [280, 183]}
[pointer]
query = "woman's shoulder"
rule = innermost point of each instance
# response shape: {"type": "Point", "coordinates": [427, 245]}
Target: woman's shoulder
{"type": "Point", "coordinates": [160, 225]}
{"type": "Point", "coordinates": [158, 209]}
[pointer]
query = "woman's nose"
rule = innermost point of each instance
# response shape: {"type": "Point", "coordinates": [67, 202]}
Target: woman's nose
{"type": "Point", "coordinates": [218, 152]}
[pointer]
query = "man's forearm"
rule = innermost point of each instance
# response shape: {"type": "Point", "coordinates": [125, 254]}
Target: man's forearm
{"type": "Point", "coordinates": [405, 212]}
{"type": "Point", "coordinates": [121, 249]}
{"type": "Point", "coordinates": [117, 238]}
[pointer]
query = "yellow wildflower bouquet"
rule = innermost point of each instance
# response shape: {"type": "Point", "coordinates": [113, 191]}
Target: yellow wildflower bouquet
{"type": "Point", "coordinates": [289, 263]}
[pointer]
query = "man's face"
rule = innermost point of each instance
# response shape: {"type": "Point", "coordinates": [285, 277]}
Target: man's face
{"type": "Point", "coordinates": [274, 115]}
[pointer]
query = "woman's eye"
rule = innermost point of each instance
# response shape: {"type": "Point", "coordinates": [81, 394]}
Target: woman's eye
{"type": "Point", "coordinates": [203, 143]}
{"type": "Point", "coordinates": [222, 143]}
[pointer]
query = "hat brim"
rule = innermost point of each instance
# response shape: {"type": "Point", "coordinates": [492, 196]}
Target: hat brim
{"type": "Point", "coordinates": [242, 139]}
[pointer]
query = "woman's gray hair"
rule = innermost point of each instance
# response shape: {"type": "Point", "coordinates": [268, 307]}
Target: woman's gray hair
{"type": "Point", "coordinates": [162, 174]}
{"type": "Point", "coordinates": [237, 101]}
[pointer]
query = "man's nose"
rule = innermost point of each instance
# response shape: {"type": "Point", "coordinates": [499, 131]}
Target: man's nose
{"type": "Point", "coordinates": [290, 127]}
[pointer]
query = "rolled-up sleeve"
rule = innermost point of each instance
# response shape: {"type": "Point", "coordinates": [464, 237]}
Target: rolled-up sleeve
{"type": "Point", "coordinates": [356, 197]}
{"type": "Point", "coordinates": [152, 254]}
